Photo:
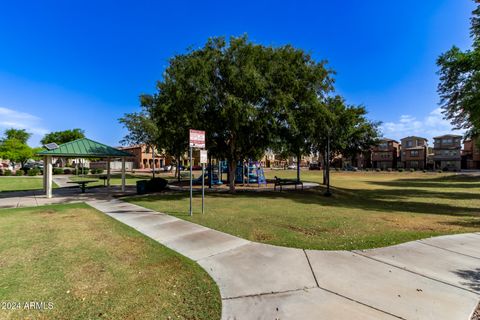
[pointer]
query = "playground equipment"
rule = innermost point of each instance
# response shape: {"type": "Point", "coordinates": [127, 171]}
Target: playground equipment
{"type": "Point", "coordinates": [206, 175]}
{"type": "Point", "coordinates": [250, 172]}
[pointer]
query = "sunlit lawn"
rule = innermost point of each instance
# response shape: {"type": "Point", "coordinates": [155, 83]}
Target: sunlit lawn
{"type": "Point", "coordinates": [90, 266]}
{"type": "Point", "coordinates": [368, 210]}
{"type": "Point", "coordinates": [21, 183]}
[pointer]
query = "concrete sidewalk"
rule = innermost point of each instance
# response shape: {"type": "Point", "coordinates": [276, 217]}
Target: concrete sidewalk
{"type": "Point", "coordinates": [437, 278]}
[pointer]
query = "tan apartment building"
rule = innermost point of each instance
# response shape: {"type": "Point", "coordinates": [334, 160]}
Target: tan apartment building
{"type": "Point", "coordinates": [385, 154]}
{"type": "Point", "coordinates": [143, 157]}
{"type": "Point", "coordinates": [471, 154]}
{"type": "Point", "coordinates": [414, 152]}
{"type": "Point", "coordinates": [447, 152]}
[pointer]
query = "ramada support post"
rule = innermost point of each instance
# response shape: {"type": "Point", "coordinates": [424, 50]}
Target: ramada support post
{"type": "Point", "coordinates": [108, 173]}
{"type": "Point", "coordinates": [48, 175]}
{"type": "Point", "coordinates": [123, 174]}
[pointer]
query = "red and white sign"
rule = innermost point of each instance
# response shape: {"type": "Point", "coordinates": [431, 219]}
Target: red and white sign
{"type": "Point", "coordinates": [197, 139]}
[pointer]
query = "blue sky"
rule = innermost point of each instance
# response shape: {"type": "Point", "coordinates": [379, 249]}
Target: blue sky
{"type": "Point", "coordinates": [69, 64]}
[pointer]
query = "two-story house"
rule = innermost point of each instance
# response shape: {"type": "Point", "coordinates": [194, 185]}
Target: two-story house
{"type": "Point", "coordinates": [414, 152]}
{"type": "Point", "coordinates": [447, 152]}
{"type": "Point", "coordinates": [471, 154]}
{"type": "Point", "coordinates": [385, 154]}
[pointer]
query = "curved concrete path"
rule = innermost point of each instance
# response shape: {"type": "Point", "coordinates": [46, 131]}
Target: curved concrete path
{"type": "Point", "coordinates": [436, 278]}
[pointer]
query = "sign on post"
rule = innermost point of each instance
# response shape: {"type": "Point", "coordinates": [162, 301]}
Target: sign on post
{"type": "Point", "coordinates": [203, 156]}
{"type": "Point", "coordinates": [203, 161]}
{"type": "Point", "coordinates": [197, 139]}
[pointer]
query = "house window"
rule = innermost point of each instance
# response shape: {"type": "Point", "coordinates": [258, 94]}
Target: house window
{"type": "Point", "coordinates": [448, 140]}
{"type": "Point", "coordinates": [409, 143]}
{"type": "Point", "coordinates": [414, 153]}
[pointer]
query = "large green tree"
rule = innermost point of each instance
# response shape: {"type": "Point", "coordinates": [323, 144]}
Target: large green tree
{"type": "Point", "coordinates": [459, 82]}
{"type": "Point", "coordinates": [244, 95]}
{"type": "Point", "coordinates": [302, 84]}
{"type": "Point", "coordinates": [60, 137]}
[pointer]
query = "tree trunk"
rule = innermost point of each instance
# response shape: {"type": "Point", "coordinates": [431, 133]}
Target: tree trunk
{"type": "Point", "coordinates": [299, 157]}
{"type": "Point", "coordinates": [153, 161]}
{"type": "Point", "coordinates": [178, 168]}
{"type": "Point", "coordinates": [232, 168]}
{"type": "Point", "coordinates": [324, 167]}
{"type": "Point", "coordinates": [210, 171]}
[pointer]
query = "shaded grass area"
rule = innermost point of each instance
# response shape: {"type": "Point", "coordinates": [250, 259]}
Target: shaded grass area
{"type": "Point", "coordinates": [93, 267]}
{"type": "Point", "coordinates": [115, 179]}
{"type": "Point", "coordinates": [367, 210]}
{"type": "Point", "coordinates": [21, 183]}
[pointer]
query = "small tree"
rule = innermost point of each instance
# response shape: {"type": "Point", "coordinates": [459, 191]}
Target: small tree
{"type": "Point", "coordinates": [141, 129]}
{"type": "Point", "coordinates": [342, 129]}
{"type": "Point", "coordinates": [16, 151]}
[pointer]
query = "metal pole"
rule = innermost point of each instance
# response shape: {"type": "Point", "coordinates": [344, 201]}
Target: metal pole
{"type": "Point", "coordinates": [328, 193]}
{"type": "Point", "coordinates": [191, 182]}
{"type": "Point", "coordinates": [203, 187]}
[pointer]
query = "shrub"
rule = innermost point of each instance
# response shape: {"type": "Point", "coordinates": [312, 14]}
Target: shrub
{"type": "Point", "coordinates": [389, 169]}
{"type": "Point", "coordinates": [378, 170]}
{"type": "Point", "coordinates": [439, 171]}
{"type": "Point", "coordinates": [19, 173]}
{"type": "Point", "coordinates": [366, 169]}
{"type": "Point", "coordinates": [156, 184]}
{"type": "Point", "coordinates": [337, 169]}
{"type": "Point", "coordinates": [83, 170]}
{"type": "Point", "coordinates": [412, 170]}
{"type": "Point", "coordinates": [99, 171]}
{"type": "Point", "coordinates": [96, 171]}
{"type": "Point", "coordinates": [7, 172]}
{"type": "Point", "coordinates": [400, 170]}
{"type": "Point", "coordinates": [67, 171]}
{"type": "Point", "coordinates": [57, 171]}
{"type": "Point", "coordinates": [33, 172]}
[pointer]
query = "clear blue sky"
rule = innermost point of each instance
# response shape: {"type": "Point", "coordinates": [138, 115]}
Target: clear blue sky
{"type": "Point", "coordinates": [68, 64]}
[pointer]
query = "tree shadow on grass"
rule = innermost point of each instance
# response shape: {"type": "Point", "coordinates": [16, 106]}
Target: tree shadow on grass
{"type": "Point", "coordinates": [380, 200]}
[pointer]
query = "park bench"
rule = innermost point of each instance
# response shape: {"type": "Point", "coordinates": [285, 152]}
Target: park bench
{"type": "Point", "coordinates": [286, 182]}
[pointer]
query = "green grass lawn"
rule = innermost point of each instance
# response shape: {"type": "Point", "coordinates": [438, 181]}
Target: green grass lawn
{"type": "Point", "coordinates": [21, 183]}
{"type": "Point", "coordinates": [93, 267]}
{"type": "Point", "coordinates": [368, 210]}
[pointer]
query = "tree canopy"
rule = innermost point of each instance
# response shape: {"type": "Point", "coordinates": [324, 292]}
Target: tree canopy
{"type": "Point", "coordinates": [18, 134]}
{"type": "Point", "coordinates": [61, 137]}
{"type": "Point", "coordinates": [459, 82]}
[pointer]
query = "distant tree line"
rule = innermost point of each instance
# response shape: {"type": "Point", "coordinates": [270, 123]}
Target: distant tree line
{"type": "Point", "coordinates": [14, 144]}
{"type": "Point", "coordinates": [249, 98]}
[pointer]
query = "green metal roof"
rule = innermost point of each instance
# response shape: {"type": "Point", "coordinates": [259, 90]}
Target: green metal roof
{"type": "Point", "coordinates": [85, 148]}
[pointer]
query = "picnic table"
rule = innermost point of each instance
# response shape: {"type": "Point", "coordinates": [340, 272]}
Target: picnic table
{"type": "Point", "coordinates": [286, 182]}
{"type": "Point", "coordinates": [82, 183]}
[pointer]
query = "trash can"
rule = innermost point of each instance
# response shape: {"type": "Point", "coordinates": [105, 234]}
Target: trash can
{"type": "Point", "coordinates": [142, 186]}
